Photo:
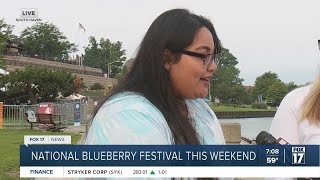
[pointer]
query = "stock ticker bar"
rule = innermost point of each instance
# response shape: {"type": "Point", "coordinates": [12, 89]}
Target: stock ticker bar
{"type": "Point", "coordinates": [169, 161]}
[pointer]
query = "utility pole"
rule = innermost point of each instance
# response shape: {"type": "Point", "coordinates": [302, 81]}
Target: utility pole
{"type": "Point", "coordinates": [209, 89]}
{"type": "Point", "coordinates": [81, 60]}
{"type": "Point", "coordinates": [109, 68]}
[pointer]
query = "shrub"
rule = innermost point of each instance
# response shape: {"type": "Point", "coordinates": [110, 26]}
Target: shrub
{"type": "Point", "coordinates": [96, 86]}
{"type": "Point", "coordinates": [259, 105]}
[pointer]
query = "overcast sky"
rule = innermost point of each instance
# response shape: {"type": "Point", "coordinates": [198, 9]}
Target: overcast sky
{"type": "Point", "coordinates": [270, 35]}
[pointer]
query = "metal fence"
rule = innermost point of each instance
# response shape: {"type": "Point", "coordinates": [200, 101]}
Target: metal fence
{"type": "Point", "coordinates": [14, 115]}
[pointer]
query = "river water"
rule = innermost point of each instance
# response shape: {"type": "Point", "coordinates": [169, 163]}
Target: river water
{"type": "Point", "coordinates": [251, 127]}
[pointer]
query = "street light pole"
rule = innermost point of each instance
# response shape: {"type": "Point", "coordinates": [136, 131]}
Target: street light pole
{"type": "Point", "coordinates": [81, 60]}
{"type": "Point", "coordinates": [109, 68]}
{"type": "Point", "coordinates": [209, 91]}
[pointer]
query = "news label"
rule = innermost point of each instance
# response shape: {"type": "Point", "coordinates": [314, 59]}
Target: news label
{"type": "Point", "coordinates": [48, 139]}
{"type": "Point", "coordinates": [29, 13]}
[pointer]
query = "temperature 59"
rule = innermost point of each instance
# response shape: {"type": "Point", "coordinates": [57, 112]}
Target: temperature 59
{"type": "Point", "coordinates": [272, 160]}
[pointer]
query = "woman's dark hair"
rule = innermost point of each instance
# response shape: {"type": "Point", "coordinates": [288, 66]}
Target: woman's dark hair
{"type": "Point", "coordinates": [174, 30]}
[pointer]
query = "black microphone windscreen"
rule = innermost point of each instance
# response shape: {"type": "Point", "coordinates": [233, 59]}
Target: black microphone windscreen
{"type": "Point", "coordinates": [265, 138]}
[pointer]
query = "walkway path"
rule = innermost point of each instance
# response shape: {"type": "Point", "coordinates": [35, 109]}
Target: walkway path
{"type": "Point", "coordinates": [77, 129]}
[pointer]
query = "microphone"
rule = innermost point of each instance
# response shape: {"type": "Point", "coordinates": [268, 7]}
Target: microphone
{"type": "Point", "coordinates": [266, 138]}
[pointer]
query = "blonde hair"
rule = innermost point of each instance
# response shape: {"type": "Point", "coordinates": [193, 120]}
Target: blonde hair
{"type": "Point", "coordinates": [310, 109]}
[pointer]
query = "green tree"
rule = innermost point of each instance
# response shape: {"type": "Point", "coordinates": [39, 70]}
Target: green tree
{"type": "Point", "coordinates": [250, 98]}
{"type": "Point", "coordinates": [221, 91]}
{"type": "Point", "coordinates": [5, 34]}
{"type": "Point", "coordinates": [93, 55]}
{"type": "Point", "coordinates": [291, 86]}
{"type": "Point", "coordinates": [77, 83]}
{"type": "Point", "coordinates": [263, 83]}
{"type": "Point", "coordinates": [226, 80]}
{"type": "Point", "coordinates": [39, 85]}
{"type": "Point", "coordinates": [276, 93]}
{"type": "Point", "coordinates": [123, 73]}
{"type": "Point", "coordinates": [46, 40]}
{"type": "Point", "coordinates": [2, 63]}
{"type": "Point", "coordinates": [239, 94]}
{"type": "Point", "coordinates": [99, 55]}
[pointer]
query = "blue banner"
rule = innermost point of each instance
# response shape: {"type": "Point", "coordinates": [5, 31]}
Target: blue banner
{"type": "Point", "coordinates": [169, 155]}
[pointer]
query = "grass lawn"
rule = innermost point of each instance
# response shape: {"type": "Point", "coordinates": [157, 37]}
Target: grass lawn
{"type": "Point", "coordinates": [10, 141]}
{"type": "Point", "coordinates": [222, 108]}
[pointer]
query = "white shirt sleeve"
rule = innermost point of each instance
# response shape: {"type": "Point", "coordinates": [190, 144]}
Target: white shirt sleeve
{"type": "Point", "coordinates": [285, 122]}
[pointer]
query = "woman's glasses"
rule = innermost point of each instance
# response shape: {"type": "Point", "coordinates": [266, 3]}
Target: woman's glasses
{"type": "Point", "coordinates": [207, 58]}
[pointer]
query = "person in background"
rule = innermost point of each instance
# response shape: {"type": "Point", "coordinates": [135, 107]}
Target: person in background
{"type": "Point", "coordinates": [298, 118]}
{"type": "Point", "coordinates": [159, 101]}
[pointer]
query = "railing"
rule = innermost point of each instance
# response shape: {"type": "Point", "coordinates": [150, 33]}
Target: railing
{"type": "Point", "coordinates": [25, 61]}
{"type": "Point", "coordinates": [245, 114]}
{"type": "Point", "coordinates": [14, 115]}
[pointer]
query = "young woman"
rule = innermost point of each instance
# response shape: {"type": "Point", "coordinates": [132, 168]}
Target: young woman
{"type": "Point", "coordinates": [159, 102]}
{"type": "Point", "coordinates": [298, 117]}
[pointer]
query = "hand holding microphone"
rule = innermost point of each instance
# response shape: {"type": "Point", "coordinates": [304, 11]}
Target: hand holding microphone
{"type": "Point", "coordinates": [266, 138]}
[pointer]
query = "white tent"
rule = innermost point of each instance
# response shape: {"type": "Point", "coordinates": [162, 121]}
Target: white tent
{"type": "Point", "coordinates": [3, 72]}
{"type": "Point", "coordinates": [75, 96]}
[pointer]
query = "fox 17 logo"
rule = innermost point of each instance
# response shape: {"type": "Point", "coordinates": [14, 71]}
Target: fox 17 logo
{"type": "Point", "coordinates": [298, 155]}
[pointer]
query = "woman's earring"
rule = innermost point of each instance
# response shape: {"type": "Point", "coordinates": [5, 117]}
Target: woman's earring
{"type": "Point", "coordinates": [167, 66]}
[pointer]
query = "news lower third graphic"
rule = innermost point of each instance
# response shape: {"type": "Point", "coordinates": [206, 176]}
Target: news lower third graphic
{"type": "Point", "coordinates": [54, 156]}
